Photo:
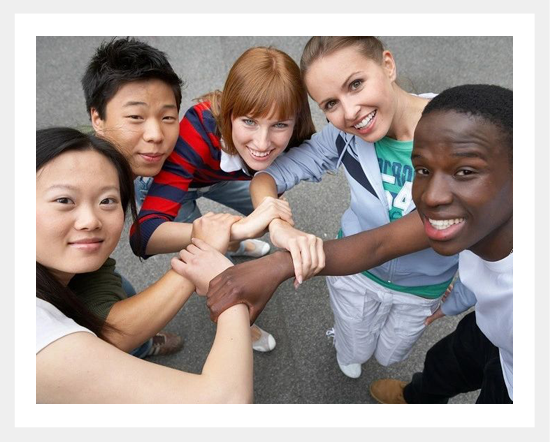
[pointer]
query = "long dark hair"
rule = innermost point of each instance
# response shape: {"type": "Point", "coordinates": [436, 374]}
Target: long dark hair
{"type": "Point", "coordinates": [50, 143]}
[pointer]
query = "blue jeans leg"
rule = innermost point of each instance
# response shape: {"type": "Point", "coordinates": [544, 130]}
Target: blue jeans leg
{"type": "Point", "coordinates": [234, 194]}
{"type": "Point", "coordinates": [143, 349]}
{"type": "Point", "coordinates": [188, 212]}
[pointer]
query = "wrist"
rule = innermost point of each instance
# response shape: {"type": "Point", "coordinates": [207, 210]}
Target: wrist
{"type": "Point", "coordinates": [281, 262]}
{"type": "Point", "coordinates": [237, 231]}
{"type": "Point", "coordinates": [276, 223]}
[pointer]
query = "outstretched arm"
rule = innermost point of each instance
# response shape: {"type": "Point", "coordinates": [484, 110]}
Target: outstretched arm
{"type": "Point", "coordinates": [254, 282]}
{"type": "Point", "coordinates": [365, 250]}
{"type": "Point", "coordinates": [81, 368]}
{"type": "Point", "coordinates": [143, 315]}
{"type": "Point", "coordinates": [306, 249]}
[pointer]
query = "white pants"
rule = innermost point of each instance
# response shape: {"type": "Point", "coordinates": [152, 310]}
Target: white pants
{"type": "Point", "coordinates": [369, 318]}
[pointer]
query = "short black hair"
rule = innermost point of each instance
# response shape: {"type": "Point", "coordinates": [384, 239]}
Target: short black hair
{"type": "Point", "coordinates": [121, 61]}
{"type": "Point", "coordinates": [490, 102]}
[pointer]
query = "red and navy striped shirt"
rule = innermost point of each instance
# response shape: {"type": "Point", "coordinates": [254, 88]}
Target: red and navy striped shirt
{"type": "Point", "coordinates": [194, 163]}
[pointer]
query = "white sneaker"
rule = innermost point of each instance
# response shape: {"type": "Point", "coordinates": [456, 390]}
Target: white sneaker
{"type": "Point", "coordinates": [260, 249]}
{"type": "Point", "coordinates": [265, 343]}
{"type": "Point", "coordinates": [352, 370]}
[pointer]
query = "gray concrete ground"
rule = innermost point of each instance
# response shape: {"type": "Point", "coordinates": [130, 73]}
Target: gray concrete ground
{"type": "Point", "coordinates": [302, 368]}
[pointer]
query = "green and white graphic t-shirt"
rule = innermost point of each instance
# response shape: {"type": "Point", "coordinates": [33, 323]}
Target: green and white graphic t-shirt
{"type": "Point", "coordinates": [394, 159]}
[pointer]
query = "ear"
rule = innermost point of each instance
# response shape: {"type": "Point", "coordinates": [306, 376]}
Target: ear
{"type": "Point", "coordinates": [388, 63]}
{"type": "Point", "coordinates": [97, 123]}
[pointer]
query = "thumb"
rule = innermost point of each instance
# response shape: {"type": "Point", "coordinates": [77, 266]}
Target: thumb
{"type": "Point", "coordinates": [436, 315]}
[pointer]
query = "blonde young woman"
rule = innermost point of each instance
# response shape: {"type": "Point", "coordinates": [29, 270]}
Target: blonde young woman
{"type": "Point", "coordinates": [381, 311]}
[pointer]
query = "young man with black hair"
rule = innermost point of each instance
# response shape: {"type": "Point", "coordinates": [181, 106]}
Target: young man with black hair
{"type": "Point", "coordinates": [463, 156]}
{"type": "Point", "coordinates": [133, 97]}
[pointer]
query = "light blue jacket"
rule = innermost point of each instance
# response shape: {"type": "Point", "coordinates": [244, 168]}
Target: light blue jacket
{"type": "Point", "coordinates": [324, 152]}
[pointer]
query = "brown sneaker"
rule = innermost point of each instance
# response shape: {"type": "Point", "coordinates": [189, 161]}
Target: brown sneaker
{"type": "Point", "coordinates": [165, 343]}
{"type": "Point", "coordinates": [388, 391]}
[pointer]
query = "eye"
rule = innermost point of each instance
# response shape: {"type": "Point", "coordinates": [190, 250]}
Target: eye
{"type": "Point", "coordinates": [109, 201]}
{"type": "Point", "coordinates": [421, 171]}
{"type": "Point", "coordinates": [356, 84]}
{"type": "Point", "coordinates": [170, 118]}
{"type": "Point", "coordinates": [464, 172]}
{"type": "Point", "coordinates": [329, 105]}
{"type": "Point", "coordinates": [248, 122]}
{"type": "Point", "coordinates": [135, 117]}
{"type": "Point", "coordinates": [64, 200]}
{"type": "Point", "coordinates": [280, 125]}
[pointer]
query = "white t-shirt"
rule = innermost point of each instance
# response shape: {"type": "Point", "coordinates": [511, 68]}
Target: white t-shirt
{"type": "Point", "coordinates": [51, 324]}
{"type": "Point", "coordinates": [492, 284]}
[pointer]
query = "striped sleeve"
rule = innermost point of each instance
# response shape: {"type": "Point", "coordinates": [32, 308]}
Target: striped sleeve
{"type": "Point", "coordinates": [192, 153]}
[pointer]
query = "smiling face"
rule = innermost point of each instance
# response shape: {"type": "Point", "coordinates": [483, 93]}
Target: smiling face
{"type": "Point", "coordinates": [463, 184]}
{"type": "Point", "coordinates": [142, 120]}
{"type": "Point", "coordinates": [260, 140]}
{"type": "Point", "coordinates": [79, 216]}
{"type": "Point", "coordinates": [355, 92]}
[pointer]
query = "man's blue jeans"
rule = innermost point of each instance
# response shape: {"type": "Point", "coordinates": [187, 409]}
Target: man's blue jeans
{"type": "Point", "coordinates": [233, 194]}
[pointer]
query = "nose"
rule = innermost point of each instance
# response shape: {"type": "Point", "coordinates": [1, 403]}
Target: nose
{"type": "Point", "coordinates": [351, 110]}
{"type": "Point", "coordinates": [261, 139]}
{"type": "Point", "coordinates": [87, 219]}
{"type": "Point", "coordinates": [437, 191]}
{"type": "Point", "coordinates": [153, 132]}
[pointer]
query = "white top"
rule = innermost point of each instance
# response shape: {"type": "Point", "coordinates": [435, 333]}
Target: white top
{"type": "Point", "coordinates": [51, 324]}
{"type": "Point", "coordinates": [492, 285]}
{"type": "Point", "coordinates": [231, 163]}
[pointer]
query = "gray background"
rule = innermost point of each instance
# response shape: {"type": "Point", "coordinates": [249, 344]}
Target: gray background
{"type": "Point", "coordinates": [302, 368]}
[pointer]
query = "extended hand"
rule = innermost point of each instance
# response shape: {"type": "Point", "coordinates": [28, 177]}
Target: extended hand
{"type": "Point", "coordinates": [255, 224]}
{"type": "Point", "coordinates": [200, 263]}
{"type": "Point", "coordinates": [214, 229]}
{"type": "Point", "coordinates": [251, 283]}
{"type": "Point", "coordinates": [307, 251]}
{"type": "Point", "coordinates": [436, 315]}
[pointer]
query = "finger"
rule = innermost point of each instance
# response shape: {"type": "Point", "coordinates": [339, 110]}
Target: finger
{"type": "Point", "coordinates": [191, 248]}
{"type": "Point", "coordinates": [185, 256]}
{"type": "Point", "coordinates": [178, 266]}
{"type": "Point", "coordinates": [199, 244]}
{"type": "Point", "coordinates": [303, 241]}
{"type": "Point", "coordinates": [296, 284]}
{"type": "Point", "coordinates": [286, 216]}
{"type": "Point", "coordinates": [216, 290]}
{"type": "Point", "coordinates": [320, 255]}
{"type": "Point", "coordinates": [254, 313]}
{"type": "Point", "coordinates": [222, 305]}
{"type": "Point", "coordinates": [296, 260]}
{"type": "Point", "coordinates": [429, 320]}
{"type": "Point", "coordinates": [283, 206]}
{"type": "Point", "coordinates": [314, 258]}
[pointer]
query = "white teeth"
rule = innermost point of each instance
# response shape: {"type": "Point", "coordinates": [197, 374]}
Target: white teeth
{"type": "Point", "coordinates": [366, 120]}
{"type": "Point", "coordinates": [259, 154]}
{"type": "Point", "coordinates": [442, 224]}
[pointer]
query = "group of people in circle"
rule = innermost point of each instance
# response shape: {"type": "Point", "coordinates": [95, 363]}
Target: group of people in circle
{"type": "Point", "coordinates": [407, 242]}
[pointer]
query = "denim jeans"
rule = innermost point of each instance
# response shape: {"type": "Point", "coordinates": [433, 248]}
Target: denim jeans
{"type": "Point", "coordinates": [143, 349]}
{"type": "Point", "coordinates": [233, 194]}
